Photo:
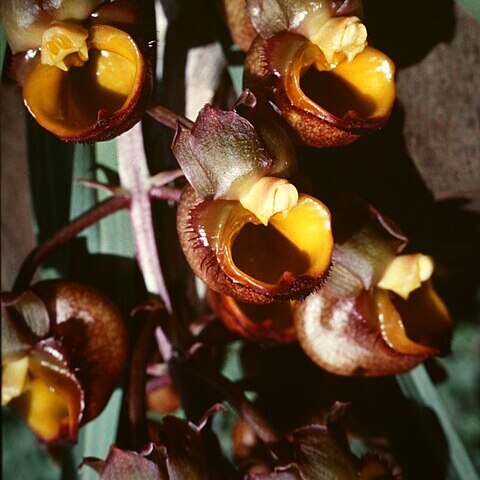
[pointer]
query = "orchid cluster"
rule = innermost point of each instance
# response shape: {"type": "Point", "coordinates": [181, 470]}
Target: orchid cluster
{"type": "Point", "coordinates": [279, 265]}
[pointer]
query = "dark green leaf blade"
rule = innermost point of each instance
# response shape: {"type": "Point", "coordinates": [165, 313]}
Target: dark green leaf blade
{"type": "Point", "coordinates": [417, 385]}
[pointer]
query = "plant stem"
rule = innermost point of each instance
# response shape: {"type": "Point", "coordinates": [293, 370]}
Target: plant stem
{"type": "Point", "coordinates": [142, 353]}
{"type": "Point", "coordinates": [168, 118]}
{"type": "Point", "coordinates": [62, 236]}
{"type": "Point", "coordinates": [134, 176]}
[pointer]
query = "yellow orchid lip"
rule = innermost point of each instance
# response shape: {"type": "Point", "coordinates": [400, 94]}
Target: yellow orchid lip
{"type": "Point", "coordinates": [392, 327]}
{"type": "Point", "coordinates": [356, 93]}
{"type": "Point", "coordinates": [230, 250]}
{"type": "Point", "coordinates": [324, 104]}
{"type": "Point", "coordinates": [263, 254]}
{"type": "Point", "coordinates": [96, 100]}
{"type": "Point", "coordinates": [51, 400]}
{"type": "Point", "coordinates": [340, 336]}
{"type": "Point", "coordinates": [413, 318]}
{"type": "Point", "coordinates": [425, 318]}
{"type": "Point", "coordinates": [373, 333]}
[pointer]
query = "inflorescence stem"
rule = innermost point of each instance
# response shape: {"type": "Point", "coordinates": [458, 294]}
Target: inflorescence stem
{"type": "Point", "coordinates": [137, 407]}
{"type": "Point", "coordinates": [134, 176]}
{"type": "Point", "coordinates": [65, 234]}
{"type": "Point", "coordinates": [78, 225]}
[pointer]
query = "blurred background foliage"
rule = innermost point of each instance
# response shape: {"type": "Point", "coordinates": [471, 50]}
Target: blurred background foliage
{"type": "Point", "coordinates": [426, 175]}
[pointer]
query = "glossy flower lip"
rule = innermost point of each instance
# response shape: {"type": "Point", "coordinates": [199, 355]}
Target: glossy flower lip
{"type": "Point", "coordinates": [228, 248]}
{"type": "Point", "coordinates": [323, 106]}
{"type": "Point", "coordinates": [341, 340]}
{"type": "Point", "coordinates": [95, 101]}
{"type": "Point", "coordinates": [260, 323]}
{"type": "Point", "coordinates": [413, 318]}
{"type": "Point", "coordinates": [378, 313]}
{"type": "Point", "coordinates": [83, 80]}
{"type": "Point", "coordinates": [63, 378]}
{"type": "Point", "coordinates": [375, 332]}
{"type": "Point", "coordinates": [52, 400]}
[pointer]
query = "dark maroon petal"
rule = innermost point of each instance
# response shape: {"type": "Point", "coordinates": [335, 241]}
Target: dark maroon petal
{"type": "Point", "coordinates": [221, 154]}
{"type": "Point", "coordinates": [186, 455]}
{"type": "Point", "coordinates": [366, 241]}
{"type": "Point", "coordinates": [125, 465]}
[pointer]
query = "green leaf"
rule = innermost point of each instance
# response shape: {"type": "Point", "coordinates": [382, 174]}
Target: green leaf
{"type": "Point", "coordinates": [3, 48]}
{"type": "Point", "coordinates": [24, 457]}
{"type": "Point", "coordinates": [472, 7]}
{"type": "Point", "coordinates": [50, 167]}
{"type": "Point", "coordinates": [98, 163]}
{"type": "Point", "coordinates": [232, 366]}
{"type": "Point", "coordinates": [97, 436]}
{"type": "Point", "coordinates": [418, 386]}
{"type": "Point", "coordinates": [103, 254]}
{"type": "Point", "coordinates": [236, 75]}
{"type": "Point", "coordinates": [99, 255]}
{"type": "Point", "coordinates": [460, 392]}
